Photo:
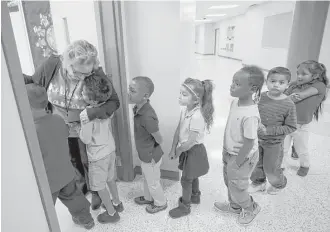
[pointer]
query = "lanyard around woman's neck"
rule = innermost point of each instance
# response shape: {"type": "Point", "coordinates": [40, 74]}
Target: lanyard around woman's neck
{"type": "Point", "coordinates": [67, 104]}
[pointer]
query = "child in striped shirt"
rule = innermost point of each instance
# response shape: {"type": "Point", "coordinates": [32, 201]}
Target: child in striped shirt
{"type": "Point", "coordinates": [278, 119]}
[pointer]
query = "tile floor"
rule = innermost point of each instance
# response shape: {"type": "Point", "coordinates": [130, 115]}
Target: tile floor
{"type": "Point", "coordinates": [304, 206]}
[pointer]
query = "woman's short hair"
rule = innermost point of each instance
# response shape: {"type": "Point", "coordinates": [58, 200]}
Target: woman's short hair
{"type": "Point", "coordinates": [80, 51]}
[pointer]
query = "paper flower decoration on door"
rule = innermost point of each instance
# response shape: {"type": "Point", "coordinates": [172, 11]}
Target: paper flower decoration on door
{"type": "Point", "coordinates": [45, 34]}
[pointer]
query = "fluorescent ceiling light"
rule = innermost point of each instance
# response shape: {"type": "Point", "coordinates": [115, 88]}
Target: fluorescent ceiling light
{"type": "Point", "coordinates": [215, 15]}
{"type": "Point", "coordinates": [203, 20]}
{"type": "Point", "coordinates": [223, 7]}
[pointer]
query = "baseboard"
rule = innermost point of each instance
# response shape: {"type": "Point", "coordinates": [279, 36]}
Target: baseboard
{"type": "Point", "coordinates": [207, 54]}
{"type": "Point", "coordinates": [164, 174]}
{"type": "Point", "coordinates": [228, 57]}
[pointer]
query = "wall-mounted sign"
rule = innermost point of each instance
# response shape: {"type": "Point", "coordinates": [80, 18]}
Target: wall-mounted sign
{"type": "Point", "coordinates": [231, 33]}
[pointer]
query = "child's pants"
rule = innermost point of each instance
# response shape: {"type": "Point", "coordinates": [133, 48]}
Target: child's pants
{"type": "Point", "coordinates": [75, 201]}
{"type": "Point", "coordinates": [237, 180]}
{"type": "Point", "coordinates": [152, 187]}
{"type": "Point", "coordinates": [300, 139]}
{"type": "Point", "coordinates": [269, 165]}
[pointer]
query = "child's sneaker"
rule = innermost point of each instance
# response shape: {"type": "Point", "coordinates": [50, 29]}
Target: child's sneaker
{"type": "Point", "coordinates": [273, 191]}
{"type": "Point", "coordinates": [119, 208]}
{"type": "Point", "coordinates": [106, 218]}
{"type": "Point", "coordinates": [302, 171]}
{"type": "Point", "coordinates": [87, 226]}
{"type": "Point", "coordinates": [142, 201]}
{"type": "Point", "coordinates": [257, 188]}
{"type": "Point", "coordinates": [155, 209]}
{"type": "Point", "coordinates": [246, 216]}
{"type": "Point", "coordinates": [226, 208]}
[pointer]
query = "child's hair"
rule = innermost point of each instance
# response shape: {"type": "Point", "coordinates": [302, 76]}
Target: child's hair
{"type": "Point", "coordinates": [147, 82]}
{"type": "Point", "coordinates": [316, 68]}
{"type": "Point", "coordinates": [98, 88]}
{"type": "Point", "coordinates": [203, 90]}
{"type": "Point", "coordinates": [280, 70]}
{"type": "Point", "coordinates": [256, 79]}
{"type": "Point", "coordinates": [37, 96]}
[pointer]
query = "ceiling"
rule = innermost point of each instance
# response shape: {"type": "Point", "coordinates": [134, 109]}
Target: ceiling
{"type": "Point", "coordinates": [202, 9]}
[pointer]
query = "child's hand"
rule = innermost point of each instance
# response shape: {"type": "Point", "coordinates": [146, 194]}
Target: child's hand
{"type": "Point", "coordinates": [262, 130]}
{"type": "Point", "coordinates": [295, 97]}
{"type": "Point", "coordinates": [171, 155]}
{"type": "Point", "coordinates": [78, 128]}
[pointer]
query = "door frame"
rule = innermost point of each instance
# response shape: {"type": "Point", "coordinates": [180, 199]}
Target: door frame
{"type": "Point", "coordinates": [10, 52]}
{"type": "Point", "coordinates": [216, 44]}
{"type": "Point", "coordinates": [111, 46]}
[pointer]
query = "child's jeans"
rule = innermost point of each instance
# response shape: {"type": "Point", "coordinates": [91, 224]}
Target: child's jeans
{"type": "Point", "coordinates": [300, 139]}
{"type": "Point", "coordinates": [75, 201]}
{"type": "Point", "coordinates": [153, 190]}
{"type": "Point", "coordinates": [269, 165]}
{"type": "Point", "coordinates": [237, 180]}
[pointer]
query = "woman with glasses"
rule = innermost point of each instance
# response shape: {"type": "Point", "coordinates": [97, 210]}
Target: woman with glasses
{"type": "Point", "coordinates": [63, 76]}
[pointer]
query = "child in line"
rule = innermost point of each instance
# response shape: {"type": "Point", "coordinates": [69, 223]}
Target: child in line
{"type": "Point", "coordinates": [240, 152]}
{"type": "Point", "coordinates": [278, 119]}
{"type": "Point", "coordinates": [53, 135]}
{"type": "Point", "coordinates": [308, 93]}
{"type": "Point", "coordinates": [101, 149]}
{"type": "Point", "coordinates": [196, 118]}
{"type": "Point", "coordinates": [147, 140]}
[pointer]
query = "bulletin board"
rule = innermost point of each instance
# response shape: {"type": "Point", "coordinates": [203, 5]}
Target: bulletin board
{"type": "Point", "coordinates": [276, 30]}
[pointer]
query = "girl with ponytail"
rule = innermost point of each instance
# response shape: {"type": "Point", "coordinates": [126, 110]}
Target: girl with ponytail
{"type": "Point", "coordinates": [308, 92]}
{"type": "Point", "coordinates": [196, 118]}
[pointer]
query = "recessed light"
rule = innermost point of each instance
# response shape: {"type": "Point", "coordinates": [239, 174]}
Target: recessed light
{"type": "Point", "coordinates": [223, 7]}
{"type": "Point", "coordinates": [215, 15]}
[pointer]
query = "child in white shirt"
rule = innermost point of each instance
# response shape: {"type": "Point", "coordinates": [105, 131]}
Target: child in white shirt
{"type": "Point", "coordinates": [100, 147]}
{"type": "Point", "coordinates": [240, 148]}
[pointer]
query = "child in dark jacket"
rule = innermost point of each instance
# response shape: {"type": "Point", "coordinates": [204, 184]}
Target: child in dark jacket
{"type": "Point", "coordinates": [52, 135]}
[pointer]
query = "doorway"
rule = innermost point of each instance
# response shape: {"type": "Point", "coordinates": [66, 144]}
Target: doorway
{"type": "Point", "coordinates": [30, 34]}
{"type": "Point", "coordinates": [216, 41]}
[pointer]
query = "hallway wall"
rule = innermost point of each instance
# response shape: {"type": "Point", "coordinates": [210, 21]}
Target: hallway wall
{"type": "Point", "coordinates": [249, 32]}
{"type": "Point", "coordinates": [153, 49]}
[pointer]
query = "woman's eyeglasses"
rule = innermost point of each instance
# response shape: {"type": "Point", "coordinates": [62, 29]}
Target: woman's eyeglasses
{"type": "Point", "coordinates": [81, 74]}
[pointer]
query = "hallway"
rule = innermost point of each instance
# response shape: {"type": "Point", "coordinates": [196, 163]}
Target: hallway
{"type": "Point", "coordinates": [303, 206]}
